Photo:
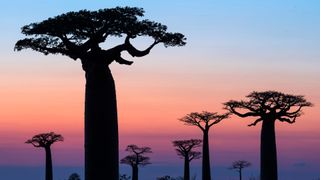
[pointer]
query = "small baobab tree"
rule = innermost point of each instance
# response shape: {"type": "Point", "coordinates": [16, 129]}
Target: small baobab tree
{"type": "Point", "coordinates": [268, 107]}
{"type": "Point", "coordinates": [239, 165]}
{"type": "Point", "coordinates": [78, 35]}
{"type": "Point", "coordinates": [124, 177]}
{"type": "Point", "coordinates": [136, 158]}
{"type": "Point", "coordinates": [74, 176]}
{"type": "Point", "coordinates": [45, 140]}
{"type": "Point", "coordinates": [204, 120]}
{"type": "Point", "coordinates": [185, 150]}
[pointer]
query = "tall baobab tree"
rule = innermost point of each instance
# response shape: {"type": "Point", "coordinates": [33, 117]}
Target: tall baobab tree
{"type": "Point", "coordinates": [45, 140]}
{"type": "Point", "coordinates": [136, 158]}
{"type": "Point", "coordinates": [185, 150]}
{"type": "Point", "coordinates": [267, 107]}
{"type": "Point", "coordinates": [78, 35]}
{"type": "Point", "coordinates": [239, 165]}
{"type": "Point", "coordinates": [204, 121]}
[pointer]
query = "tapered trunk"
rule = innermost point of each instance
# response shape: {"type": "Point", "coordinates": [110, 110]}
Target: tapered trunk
{"type": "Point", "coordinates": [101, 124]}
{"type": "Point", "coordinates": [135, 172]}
{"type": "Point", "coordinates": [268, 157]}
{"type": "Point", "coordinates": [186, 173]}
{"type": "Point", "coordinates": [240, 173]}
{"type": "Point", "coordinates": [206, 174]}
{"type": "Point", "coordinates": [49, 174]}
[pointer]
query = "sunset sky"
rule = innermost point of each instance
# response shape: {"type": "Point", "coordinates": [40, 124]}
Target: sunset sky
{"type": "Point", "coordinates": [233, 48]}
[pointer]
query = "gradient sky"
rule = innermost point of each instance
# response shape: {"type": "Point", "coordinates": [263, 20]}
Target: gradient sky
{"type": "Point", "coordinates": [233, 47]}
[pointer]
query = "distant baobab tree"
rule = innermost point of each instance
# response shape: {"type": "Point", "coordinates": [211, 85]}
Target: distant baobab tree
{"type": "Point", "coordinates": [78, 35]}
{"type": "Point", "coordinates": [74, 176]}
{"type": "Point", "coordinates": [239, 165]}
{"type": "Point", "coordinates": [45, 140]}
{"type": "Point", "coordinates": [124, 177]}
{"type": "Point", "coordinates": [185, 150]}
{"type": "Point", "coordinates": [269, 106]}
{"type": "Point", "coordinates": [136, 158]}
{"type": "Point", "coordinates": [204, 121]}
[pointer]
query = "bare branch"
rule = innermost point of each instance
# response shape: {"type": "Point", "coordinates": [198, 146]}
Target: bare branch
{"type": "Point", "coordinates": [247, 114]}
{"type": "Point", "coordinates": [282, 119]}
{"type": "Point", "coordinates": [255, 122]}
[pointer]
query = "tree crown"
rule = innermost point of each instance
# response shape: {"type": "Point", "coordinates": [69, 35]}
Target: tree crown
{"type": "Point", "coordinates": [203, 120]}
{"type": "Point", "coordinates": [75, 34]}
{"type": "Point", "coordinates": [135, 160]}
{"type": "Point", "coordinates": [184, 148]}
{"type": "Point", "coordinates": [238, 165]}
{"type": "Point", "coordinates": [270, 105]}
{"type": "Point", "coordinates": [138, 150]}
{"type": "Point", "coordinates": [44, 139]}
{"type": "Point", "coordinates": [136, 157]}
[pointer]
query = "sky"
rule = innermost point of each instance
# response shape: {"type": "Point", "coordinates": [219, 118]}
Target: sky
{"type": "Point", "coordinates": [233, 48]}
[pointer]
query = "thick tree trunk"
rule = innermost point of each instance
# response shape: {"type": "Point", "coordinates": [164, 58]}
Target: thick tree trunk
{"type": "Point", "coordinates": [101, 123]}
{"type": "Point", "coordinates": [135, 172]}
{"type": "Point", "coordinates": [206, 174]}
{"type": "Point", "coordinates": [49, 174]}
{"type": "Point", "coordinates": [240, 174]}
{"type": "Point", "coordinates": [268, 157]}
{"type": "Point", "coordinates": [186, 173]}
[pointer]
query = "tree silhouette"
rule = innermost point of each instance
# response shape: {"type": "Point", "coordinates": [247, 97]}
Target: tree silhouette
{"type": "Point", "coordinates": [167, 177]}
{"type": "Point", "coordinates": [268, 106]}
{"type": "Point", "coordinates": [204, 121]}
{"type": "Point", "coordinates": [124, 177]}
{"type": "Point", "coordinates": [184, 149]}
{"type": "Point", "coordinates": [239, 165]}
{"type": "Point", "coordinates": [78, 35]}
{"type": "Point", "coordinates": [136, 158]}
{"type": "Point", "coordinates": [74, 176]}
{"type": "Point", "coordinates": [45, 140]}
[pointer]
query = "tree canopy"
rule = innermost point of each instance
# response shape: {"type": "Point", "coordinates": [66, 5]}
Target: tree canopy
{"type": "Point", "coordinates": [184, 148]}
{"type": "Point", "coordinates": [240, 164]}
{"type": "Point", "coordinates": [203, 120]}
{"type": "Point", "coordinates": [44, 139]}
{"type": "Point", "coordinates": [136, 157]}
{"type": "Point", "coordinates": [269, 105]}
{"type": "Point", "coordinates": [74, 34]}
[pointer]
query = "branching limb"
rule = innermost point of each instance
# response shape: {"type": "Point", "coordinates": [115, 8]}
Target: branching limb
{"type": "Point", "coordinates": [120, 60]}
{"type": "Point", "coordinates": [219, 118]}
{"type": "Point", "coordinates": [295, 112]}
{"type": "Point", "coordinates": [255, 122]}
{"type": "Point", "coordinates": [232, 110]}
{"type": "Point", "coordinates": [135, 52]}
{"type": "Point", "coordinates": [282, 119]}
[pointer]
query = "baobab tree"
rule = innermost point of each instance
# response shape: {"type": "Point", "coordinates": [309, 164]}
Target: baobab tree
{"type": "Point", "coordinates": [239, 165]}
{"type": "Point", "coordinates": [74, 176]}
{"type": "Point", "coordinates": [267, 107]}
{"type": "Point", "coordinates": [204, 121]}
{"type": "Point", "coordinates": [184, 149]}
{"type": "Point", "coordinates": [78, 35]}
{"type": "Point", "coordinates": [124, 177]}
{"type": "Point", "coordinates": [45, 140]}
{"type": "Point", "coordinates": [136, 158]}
